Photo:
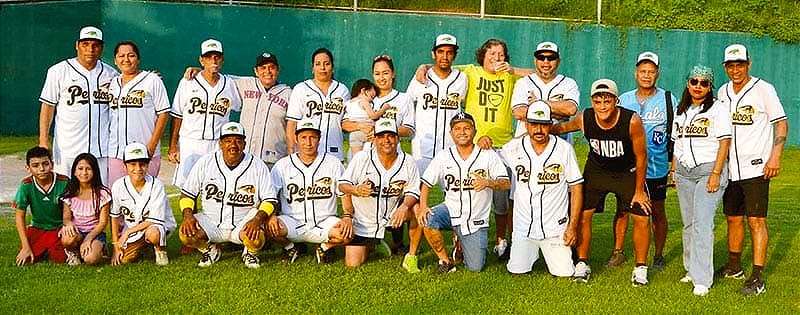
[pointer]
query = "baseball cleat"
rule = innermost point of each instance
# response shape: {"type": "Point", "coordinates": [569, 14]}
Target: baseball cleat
{"type": "Point", "coordinates": [250, 259]}
{"type": "Point", "coordinates": [639, 276]}
{"type": "Point", "coordinates": [209, 256]}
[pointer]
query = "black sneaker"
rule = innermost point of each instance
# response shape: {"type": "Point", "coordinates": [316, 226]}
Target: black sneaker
{"type": "Point", "coordinates": [617, 258]}
{"type": "Point", "coordinates": [324, 256]}
{"type": "Point", "coordinates": [754, 286]}
{"type": "Point", "coordinates": [445, 268]}
{"type": "Point", "coordinates": [290, 255]}
{"type": "Point", "coordinates": [729, 271]}
{"type": "Point", "coordinates": [659, 263]}
{"type": "Point", "coordinates": [399, 249]}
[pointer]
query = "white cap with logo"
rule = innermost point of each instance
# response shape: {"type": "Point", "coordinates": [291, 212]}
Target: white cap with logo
{"type": "Point", "coordinates": [306, 124]}
{"type": "Point", "coordinates": [232, 129]}
{"type": "Point", "coordinates": [736, 52]}
{"type": "Point", "coordinates": [385, 125]}
{"type": "Point", "coordinates": [546, 46]}
{"type": "Point", "coordinates": [90, 32]}
{"type": "Point", "coordinates": [539, 113]}
{"type": "Point", "coordinates": [135, 151]}
{"type": "Point", "coordinates": [445, 39]}
{"type": "Point", "coordinates": [210, 45]}
{"type": "Point", "coordinates": [647, 56]}
{"type": "Point", "coordinates": [604, 85]}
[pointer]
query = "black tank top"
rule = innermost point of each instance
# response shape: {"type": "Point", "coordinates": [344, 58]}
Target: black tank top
{"type": "Point", "coordinates": [610, 149]}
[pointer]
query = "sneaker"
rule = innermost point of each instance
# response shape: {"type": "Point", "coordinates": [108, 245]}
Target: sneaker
{"type": "Point", "coordinates": [686, 279]}
{"type": "Point", "coordinates": [700, 290]}
{"type": "Point", "coordinates": [729, 271]}
{"type": "Point", "coordinates": [290, 255]}
{"type": "Point", "coordinates": [209, 256]}
{"type": "Point", "coordinates": [582, 272]}
{"type": "Point", "coordinates": [659, 263]}
{"type": "Point", "coordinates": [161, 258]}
{"type": "Point", "coordinates": [754, 286]}
{"type": "Point", "coordinates": [383, 249]}
{"type": "Point", "coordinates": [445, 268]}
{"type": "Point", "coordinates": [72, 258]}
{"type": "Point", "coordinates": [500, 249]}
{"type": "Point", "coordinates": [250, 259]}
{"type": "Point", "coordinates": [639, 276]}
{"type": "Point", "coordinates": [617, 258]}
{"type": "Point", "coordinates": [324, 256]}
{"type": "Point", "coordinates": [410, 263]}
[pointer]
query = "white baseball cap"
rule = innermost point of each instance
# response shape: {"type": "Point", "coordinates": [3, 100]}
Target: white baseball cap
{"type": "Point", "coordinates": [445, 39]}
{"type": "Point", "coordinates": [306, 124]}
{"type": "Point", "coordinates": [135, 151]}
{"type": "Point", "coordinates": [546, 46]}
{"type": "Point", "coordinates": [736, 52]}
{"type": "Point", "coordinates": [604, 85]}
{"type": "Point", "coordinates": [647, 56]}
{"type": "Point", "coordinates": [90, 32]}
{"type": "Point", "coordinates": [210, 45]}
{"type": "Point", "coordinates": [385, 125]}
{"type": "Point", "coordinates": [232, 129]}
{"type": "Point", "coordinates": [539, 113]}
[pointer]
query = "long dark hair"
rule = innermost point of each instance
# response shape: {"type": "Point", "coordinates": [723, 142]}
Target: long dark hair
{"type": "Point", "coordinates": [686, 101]}
{"type": "Point", "coordinates": [74, 186]}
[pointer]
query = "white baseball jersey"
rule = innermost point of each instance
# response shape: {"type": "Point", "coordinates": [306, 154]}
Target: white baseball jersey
{"type": "Point", "coordinates": [228, 194]}
{"type": "Point", "coordinates": [753, 111]}
{"type": "Point", "coordinates": [697, 134]}
{"type": "Point", "coordinates": [307, 101]}
{"type": "Point", "coordinates": [437, 101]}
{"type": "Point", "coordinates": [264, 117]}
{"type": "Point", "coordinates": [134, 109]}
{"type": "Point", "coordinates": [81, 99]}
{"type": "Point", "coordinates": [401, 109]}
{"type": "Point", "coordinates": [561, 88]}
{"type": "Point", "coordinates": [307, 192]}
{"type": "Point", "coordinates": [541, 194]}
{"type": "Point", "coordinates": [135, 207]}
{"type": "Point", "coordinates": [389, 187]}
{"type": "Point", "coordinates": [204, 108]}
{"type": "Point", "coordinates": [468, 208]}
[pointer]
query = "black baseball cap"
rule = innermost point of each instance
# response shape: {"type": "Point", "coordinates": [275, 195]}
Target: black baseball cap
{"type": "Point", "coordinates": [462, 116]}
{"type": "Point", "coordinates": [266, 58]}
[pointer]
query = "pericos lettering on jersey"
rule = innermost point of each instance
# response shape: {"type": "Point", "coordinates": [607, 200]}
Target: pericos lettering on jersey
{"type": "Point", "coordinates": [220, 108]}
{"type": "Point", "coordinates": [522, 174]}
{"type": "Point", "coordinates": [454, 184]}
{"type": "Point", "coordinates": [607, 148]}
{"type": "Point", "coordinates": [134, 99]}
{"type": "Point", "coordinates": [320, 189]}
{"type": "Point", "coordinates": [451, 102]}
{"type": "Point", "coordinates": [390, 113]}
{"type": "Point", "coordinates": [743, 115]}
{"type": "Point", "coordinates": [76, 91]}
{"type": "Point", "coordinates": [698, 128]}
{"type": "Point", "coordinates": [550, 174]}
{"type": "Point", "coordinates": [102, 96]}
{"type": "Point", "coordinates": [335, 106]}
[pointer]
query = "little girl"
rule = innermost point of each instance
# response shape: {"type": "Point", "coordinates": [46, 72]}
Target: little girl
{"type": "Point", "coordinates": [359, 109]}
{"type": "Point", "coordinates": [85, 211]}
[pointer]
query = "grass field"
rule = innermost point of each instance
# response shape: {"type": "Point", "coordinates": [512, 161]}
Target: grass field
{"type": "Point", "coordinates": [381, 286]}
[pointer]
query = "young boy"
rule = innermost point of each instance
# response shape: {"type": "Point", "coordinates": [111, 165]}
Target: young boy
{"type": "Point", "coordinates": [142, 203]}
{"type": "Point", "coordinates": [40, 191]}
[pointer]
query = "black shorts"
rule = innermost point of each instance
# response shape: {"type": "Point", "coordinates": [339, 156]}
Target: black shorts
{"type": "Point", "coordinates": [657, 188]}
{"type": "Point", "coordinates": [749, 197]}
{"type": "Point", "coordinates": [598, 182]}
{"type": "Point", "coordinates": [364, 241]}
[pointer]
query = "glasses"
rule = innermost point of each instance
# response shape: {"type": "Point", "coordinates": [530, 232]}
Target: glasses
{"type": "Point", "coordinates": [546, 57]}
{"type": "Point", "coordinates": [382, 57]}
{"type": "Point", "coordinates": [703, 83]}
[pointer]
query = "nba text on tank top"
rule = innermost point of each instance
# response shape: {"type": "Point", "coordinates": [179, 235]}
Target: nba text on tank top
{"type": "Point", "coordinates": [610, 149]}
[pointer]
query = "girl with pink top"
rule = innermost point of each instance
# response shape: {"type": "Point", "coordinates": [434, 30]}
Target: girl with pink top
{"type": "Point", "coordinates": [85, 210]}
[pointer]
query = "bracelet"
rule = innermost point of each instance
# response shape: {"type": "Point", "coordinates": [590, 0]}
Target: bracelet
{"type": "Point", "coordinates": [347, 215]}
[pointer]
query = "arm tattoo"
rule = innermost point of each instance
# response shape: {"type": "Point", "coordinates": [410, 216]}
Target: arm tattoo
{"type": "Point", "coordinates": [780, 140]}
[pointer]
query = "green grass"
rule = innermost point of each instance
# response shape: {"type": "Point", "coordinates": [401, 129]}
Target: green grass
{"type": "Point", "coordinates": [380, 286]}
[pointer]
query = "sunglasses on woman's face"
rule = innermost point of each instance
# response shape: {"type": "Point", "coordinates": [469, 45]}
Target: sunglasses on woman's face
{"type": "Point", "coordinates": [703, 83]}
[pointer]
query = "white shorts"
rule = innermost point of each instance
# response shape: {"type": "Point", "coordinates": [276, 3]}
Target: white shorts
{"type": "Point", "coordinates": [164, 234]}
{"type": "Point", "coordinates": [216, 234]}
{"type": "Point", "coordinates": [64, 167]}
{"type": "Point", "coordinates": [525, 252]}
{"type": "Point", "coordinates": [299, 232]}
{"type": "Point", "coordinates": [191, 150]}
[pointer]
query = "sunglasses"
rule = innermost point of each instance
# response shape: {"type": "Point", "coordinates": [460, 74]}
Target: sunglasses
{"type": "Point", "coordinates": [382, 57]}
{"type": "Point", "coordinates": [546, 57]}
{"type": "Point", "coordinates": [703, 83]}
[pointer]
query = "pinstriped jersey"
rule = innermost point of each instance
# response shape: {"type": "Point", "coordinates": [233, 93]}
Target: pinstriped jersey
{"type": "Point", "coordinates": [228, 194]}
{"type": "Point", "coordinates": [389, 187]}
{"type": "Point", "coordinates": [81, 99]}
{"type": "Point", "coordinates": [204, 108]}
{"type": "Point", "coordinates": [307, 192]}
{"type": "Point", "coordinates": [468, 208]}
{"type": "Point", "coordinates": [135, 207]}
{"type": "Point", "coordinates": [541, 181]}
{"type": "Point", "coordinates": [264, 117]}
{"type": "Point", "coordinates": [561, 88]}
{"type": "Point", "coordinates": [437, 101]}
{"type": "Point", "coordinates": [307, 101]}
{"type": "Point", "coordinates": [134, 109]}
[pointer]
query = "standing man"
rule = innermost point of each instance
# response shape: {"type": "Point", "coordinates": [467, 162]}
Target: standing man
{"type": "Point", "coordinates": [78, 88]}
{"type": "Point", "coordinates": [759, 133]}
{"type": "Point", "coordinates": [234, 188]}
{"type": "Point", "coordinates": [617, 163]}
{"type": "Point", "coordinates": [549, 194]}
{"type": "Point", "coordinates": [655, 107]}
{"type": "Point", "coordinates": [468, 175]}
{"type": "Point", "coordinates": [204, 102]}
{"type": "Point", "coordinates": [306, 182]}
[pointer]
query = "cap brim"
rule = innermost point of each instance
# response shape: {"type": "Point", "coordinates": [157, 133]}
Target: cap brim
{"type": "Point", "coordinates": [386, 131]}
{"type": "Point", "coordinates": [536, 53]}
{"type": "Point", "coordinates": [139, 159]}
{"type": "Point", "coordinates": [205, 54]}
{"type": "Point", "coordinates": [298, 131]}
{"type": "Point", "coordinates": [538, 121]}
{"type": "Point", "coordinates": [440, 45]}
{"type": "Point", "coordinates": [735, 60]}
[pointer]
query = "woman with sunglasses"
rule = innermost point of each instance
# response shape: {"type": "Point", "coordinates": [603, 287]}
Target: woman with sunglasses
{"type": "Point", "coordinates": [702, 135]}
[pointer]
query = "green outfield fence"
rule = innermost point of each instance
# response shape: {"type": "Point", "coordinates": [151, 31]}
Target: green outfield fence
{"type": "Point", "coordinates": [36, 35]}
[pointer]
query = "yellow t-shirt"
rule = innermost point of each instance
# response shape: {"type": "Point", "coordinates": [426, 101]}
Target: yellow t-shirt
{"type": "Point", "coordinates": [489, 102]}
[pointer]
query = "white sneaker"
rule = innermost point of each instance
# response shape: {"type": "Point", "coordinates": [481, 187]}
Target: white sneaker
{"type": "Point", "coordinates": [582, 272]}
{"type": "Point", "coordinates": [700, 290]}
{"type": "Point", "coordinates": [161, 258]}
{"type": "Point", "coordinates": [72, 258]}
{"type": "Point", "coordinates": [209, 256]}
{"type": "Point", "coordinates": [639, 276]}
{"type": "Point", "coordinates": [500, 248]}
{"type": "Point", "coordinates": [686, 279]}
{"type": "Point", "coordinates": [250, 259]}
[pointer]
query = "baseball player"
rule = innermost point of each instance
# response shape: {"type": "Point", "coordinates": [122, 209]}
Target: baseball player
{"type": "Point", "coordinates": [548, 194]}
{"type": "Point", "coordinates": [200, 107]}
{"type": "Point", "coordinates": [381, 187]}
{"type": "Point", "coordinates": [438, 99]}
{"type": "Point", "coordinates": [468, 175]}
{"type": "Point", "coordinates": [139, 111]}
{"type": "Point", "coordinates": [759, 134]}
{"type": "Point", "coordinates": [76, 93]}
{"type": "Point", "coordinates": [140, 200]}
{"type": "Point", "coordinates": [234, 188]}
{"type": "Point", "coordinates": [306, 185]}
{"type": "Point", "coordinates": [321, 98]}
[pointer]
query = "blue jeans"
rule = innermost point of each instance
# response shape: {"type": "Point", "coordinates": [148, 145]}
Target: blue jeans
{"type": "Point", "coordinates": [698, 208]}
{"type": "Point", "coordinates": [473, 245]}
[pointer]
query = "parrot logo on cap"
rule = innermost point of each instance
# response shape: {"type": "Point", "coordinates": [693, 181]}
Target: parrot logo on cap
{"type": "Point", "coordinates": [212, 45]}
{"type": "Point", "coordinates": [137, 151]}
{"type": "Point", "coordinates": [232, 128]}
